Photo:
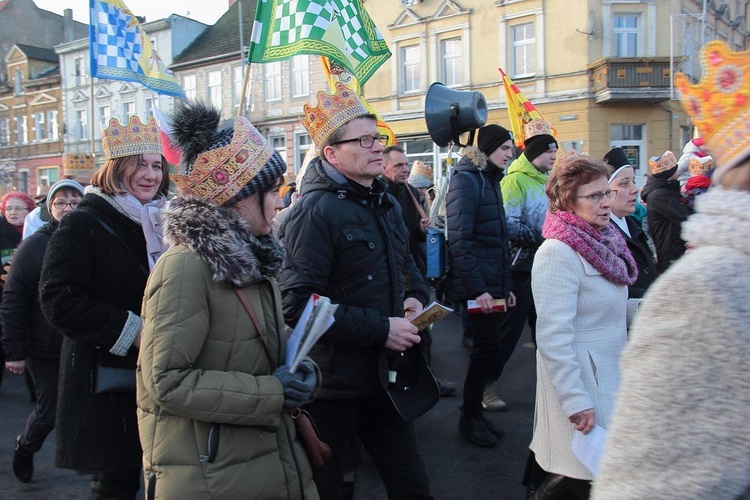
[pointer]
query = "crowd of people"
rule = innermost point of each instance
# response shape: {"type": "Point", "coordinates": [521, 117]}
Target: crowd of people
{"type": "Point", "coordinates": [153, 326]}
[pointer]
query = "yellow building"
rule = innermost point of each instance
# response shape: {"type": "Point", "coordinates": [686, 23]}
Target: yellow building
{"type": "Point", "coordinates": [600, 71]}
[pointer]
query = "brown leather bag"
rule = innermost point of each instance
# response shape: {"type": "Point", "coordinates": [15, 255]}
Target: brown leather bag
{"type": "Point", "coordinates": [317, 451]}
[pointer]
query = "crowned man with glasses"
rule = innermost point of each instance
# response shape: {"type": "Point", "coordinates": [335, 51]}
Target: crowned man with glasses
{"type": "Point", "coordinates": [346, 239]}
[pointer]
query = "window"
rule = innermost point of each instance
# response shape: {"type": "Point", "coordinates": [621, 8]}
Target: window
{"type": "Point", "coordinates": [40, 130]}
{"type": "Point", "coordinates": [128, 110]}
{"type": "Point", "coordinates": [80, 71]}
{"type": "Point", "coordinates": [273, 81]}
{"type": "Point", "coordinates": [412, 70]}
{"type": "Point", "coordinates": [450, 51]}
{"type": "Point", "coordinates": [302, 143]}
{"type": "Point", "coordinates": [23, 181]}
{"type": "Point", "coordinates": [47, 176]}
{"type": "Point", "coordinates": [189, 84]}
{"type": "Point", "coordinates": [149, 108]}
{"type": "Point", "coordinates": [5, 132]}
{"type": "Point", "coordinates": [238, 75]}
{"type": "Point", "coordinates": [18, 82]}
{"type": "Point", "coordinates": [279, 144]}
{"type": "Point", "coordinates": [82, 123]}
{"type": "Point", "coordinates": [524, 51]}
{"type": "Point", "coordinates": [104, 114]}
{"type": "Point", "coordinates": [214, 89]}
{"type": "Point", "coordinates": [53, 128]}
{"type": "Point", "coordinates": [300, 75]}
{"type": "Point", "coordinates": [626, 35]}
{"type": "Point", "coordinates": [22, 130]}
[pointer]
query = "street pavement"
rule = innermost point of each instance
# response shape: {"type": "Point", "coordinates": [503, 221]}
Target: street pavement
{"type": "Point", "coordinates": [457, 469]}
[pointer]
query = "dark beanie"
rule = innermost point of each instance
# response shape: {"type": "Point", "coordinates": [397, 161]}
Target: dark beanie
{"type": "Point", "coordinates": [538, 145]}
{"type": "Point", "coordinates": [491, 137]}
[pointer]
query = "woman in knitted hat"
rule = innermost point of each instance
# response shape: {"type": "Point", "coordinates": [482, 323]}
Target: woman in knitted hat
{"type": "Point", "coordinates": [214, 394]}
{"type": "Point", "coordinates": [579, 278]}
{"type": "Point", "coordinates": [91, 291]}
{"type": "Point", "coordinates": [31, 345]}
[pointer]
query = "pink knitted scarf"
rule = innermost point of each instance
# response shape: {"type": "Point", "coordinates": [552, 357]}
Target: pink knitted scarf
{"type": "Point", "coordinates": [605, 249]}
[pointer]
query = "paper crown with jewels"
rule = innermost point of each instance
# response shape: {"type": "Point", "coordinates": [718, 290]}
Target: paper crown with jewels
{"type": "Point", "coordinates": [535, 127]}
{"type": "Point", "coordinates": [241, 163]}
{"type": "Point", "coordinates": [700, 165]}
{"type": "Point", "coordinates": [420, 175]}
{"type": "Point", "coordinates": [135, 138]}
{"type": "Point", "coordinates": [719, 104]}
{"type": "Point", "coordinates": [659, 164]}
{"type": "Point", "coordinates": [331, 112]}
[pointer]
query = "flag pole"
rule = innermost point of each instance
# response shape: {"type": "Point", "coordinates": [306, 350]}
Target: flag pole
{"type": "Point", "coordinates": [246, 77]}
{"type": "Point", "coordinates": [93, 118]}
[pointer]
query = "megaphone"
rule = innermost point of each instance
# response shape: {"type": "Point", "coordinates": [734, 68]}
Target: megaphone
{"type": "Point", "coordinates": [449, 113]}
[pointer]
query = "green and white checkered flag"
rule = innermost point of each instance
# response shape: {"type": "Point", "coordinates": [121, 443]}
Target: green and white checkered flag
{"type": "Point", "coordinates": [338, 29]}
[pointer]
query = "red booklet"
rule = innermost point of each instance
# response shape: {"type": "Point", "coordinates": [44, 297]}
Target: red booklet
{"type": "Point", "coordinates": [472, 307]}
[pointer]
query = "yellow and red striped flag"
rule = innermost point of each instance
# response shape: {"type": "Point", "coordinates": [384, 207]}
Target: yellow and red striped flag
{"type": "Point", "coordinates": [520, 110]}
{"type": "Point", "coordinates": [337, 73]}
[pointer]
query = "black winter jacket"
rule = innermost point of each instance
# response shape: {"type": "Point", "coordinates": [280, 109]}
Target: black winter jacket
{"type": "Point", "coordinates": [478, 244]}
{"type": "Point", "coordinates": [644, 259]}
{"type": "Point", "coordinates": [26, 331]}
{"type": "Point", "coordinates": [348, 243]}
{"type": "Point", "coordinates": [411, 220]}
{"type": "Point", "coordinates": [89, 283]}
{"type": "Point", "coordinates": [667, 210]}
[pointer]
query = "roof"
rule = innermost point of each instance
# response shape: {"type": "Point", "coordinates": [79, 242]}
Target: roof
{"type": "Point", "coordinates": [223, 38]}
{"type": "Point", "coordinates": [38, 53]}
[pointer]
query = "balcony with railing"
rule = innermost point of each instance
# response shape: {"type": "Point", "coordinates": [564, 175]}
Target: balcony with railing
{"type": "Point", "coordinates": [618, 80]}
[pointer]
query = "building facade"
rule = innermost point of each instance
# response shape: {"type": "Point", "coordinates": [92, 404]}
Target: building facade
{"type": "Point", "coordinates": [30, 94]}
{"type": "Point", "coordinates": [599, 70]}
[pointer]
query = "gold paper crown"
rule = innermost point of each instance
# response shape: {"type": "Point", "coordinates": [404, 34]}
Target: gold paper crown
{"type": "Point", "coordinates": [700, 166]}
{"type": "Point", "coordinates": [135, 138]}
{"type": "Point", "coordinates": [719, 105]}
{"type": "Point", "coordinates": [659, 164]}
{"type": "Point", "coordinates": [77, 161]}
{"type": "Point", "coordinates": [219, 174]}
{"type": "Point", "coordinates": [331, 112]}
{"type": "Point", "coordinates": [537, 126]}
{"type": "Point", "coordinates": [420, 175]}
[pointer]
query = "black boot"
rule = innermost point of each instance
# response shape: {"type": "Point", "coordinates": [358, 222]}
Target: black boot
{"type": "Point", "coordinates": [554, 487]}
{"type": "Point", "coordinates": [23, 462]}
{"type": "Point", "coordinates": [497, 431]}
{"type": "Point", "coordinates": [476, 431]}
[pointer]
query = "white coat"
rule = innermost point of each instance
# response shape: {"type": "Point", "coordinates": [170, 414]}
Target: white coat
{"type": "Point", "coordinates": [581, 330]}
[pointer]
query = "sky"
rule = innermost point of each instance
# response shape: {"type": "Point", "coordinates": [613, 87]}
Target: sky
{"type": "Point", "coordinates": [205, 11]}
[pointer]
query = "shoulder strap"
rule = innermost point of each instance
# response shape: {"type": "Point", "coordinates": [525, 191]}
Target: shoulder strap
{"type": "Point", "coordinates": [256, 323]}
{"type": "Point", "coordinates": [117, 237]}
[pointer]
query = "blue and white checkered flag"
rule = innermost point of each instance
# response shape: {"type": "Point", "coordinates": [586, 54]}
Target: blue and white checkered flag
{"type": "Point", "coordinates": [120, 50]}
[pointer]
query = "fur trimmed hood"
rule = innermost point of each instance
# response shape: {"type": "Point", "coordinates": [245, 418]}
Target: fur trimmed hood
{"type": "Point", "coordinates": [476, 157]}
{"type": "Point", "coordinates": [222, 239]}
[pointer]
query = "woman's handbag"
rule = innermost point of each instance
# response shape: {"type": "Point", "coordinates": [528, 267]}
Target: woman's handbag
{"type": "Point", "coordinates": [317, 451]}
{"type": "Point", "coordinates": [114, 374]}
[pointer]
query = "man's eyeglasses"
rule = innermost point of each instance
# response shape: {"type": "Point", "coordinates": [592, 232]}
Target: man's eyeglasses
{"type": "Point", "coordinates": [366, 141]}
{"type": "Point", "coordinates": [16, 209]}
{"type": "Point", "coordinates": [598, 197]}
{"type": "Point", "coordinates": [60, 205]}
